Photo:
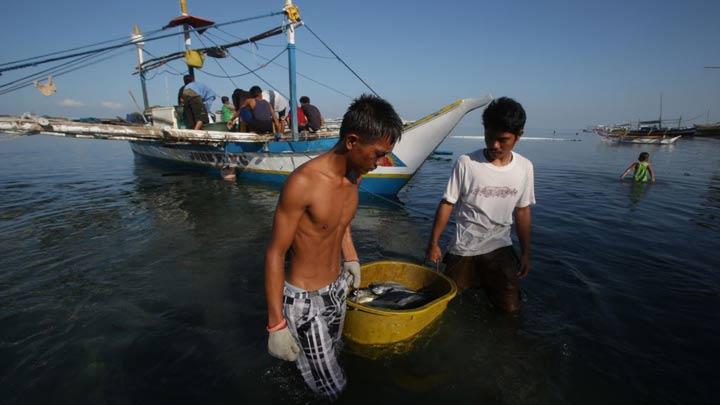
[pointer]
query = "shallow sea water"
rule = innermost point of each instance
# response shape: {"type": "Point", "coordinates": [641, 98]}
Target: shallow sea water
{"type": "Point", "coordinates": [122, 282]}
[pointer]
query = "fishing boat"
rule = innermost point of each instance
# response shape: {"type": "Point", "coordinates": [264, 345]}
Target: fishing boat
{"type": "Point", "coordinates": [707, 129]}
{"type": "Point", "coordinates": [262, 157]}
{"type": "Point", "coordinates": [648, 139]}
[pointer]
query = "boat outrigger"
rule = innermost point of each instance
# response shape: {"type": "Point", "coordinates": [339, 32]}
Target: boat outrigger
{"type": "Point", "coordinates": [263, 157]}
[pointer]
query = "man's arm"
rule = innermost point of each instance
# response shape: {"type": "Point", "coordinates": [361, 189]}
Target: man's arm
{"type": "Point", "coordinates": [523, 220]}
{"type": "Point", "coordinates": [442, 216]}
{"type": "Point", "coordinates": [348, 247]}
{"type": "Point", "coordinates": [291, 206]}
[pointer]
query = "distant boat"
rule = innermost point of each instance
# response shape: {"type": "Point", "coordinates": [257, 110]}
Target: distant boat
{"type": "Point", "coordinates": [648, 139]}
{"type": "Point", "coordinates": [707, 129]}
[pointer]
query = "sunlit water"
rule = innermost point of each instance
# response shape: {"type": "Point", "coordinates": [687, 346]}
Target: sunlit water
{"type": "Point", "coordinates": [122, 282]}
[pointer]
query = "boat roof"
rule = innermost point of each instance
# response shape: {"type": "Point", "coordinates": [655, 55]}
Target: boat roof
{"type": "Point", "coordinates": [191, 20]}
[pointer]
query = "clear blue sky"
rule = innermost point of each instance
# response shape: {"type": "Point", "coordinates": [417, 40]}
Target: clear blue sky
{"type": "Point", "coordinates": [570, 63]}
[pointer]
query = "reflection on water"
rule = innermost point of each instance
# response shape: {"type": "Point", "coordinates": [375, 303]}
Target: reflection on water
{"type": "Point", "coordinates": [125, 282]}
{"type": "Point", "coordinates": [638, 190]}
{"type": "Point", "coordinates": [709, 213]}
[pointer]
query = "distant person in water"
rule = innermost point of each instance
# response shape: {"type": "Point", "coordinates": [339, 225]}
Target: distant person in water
{"type": "Point", "coordinates": [642, 168]}
{"type": "Point", "coordinates": [486, 189]}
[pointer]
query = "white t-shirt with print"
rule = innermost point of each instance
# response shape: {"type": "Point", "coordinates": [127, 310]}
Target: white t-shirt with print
{"type": "Point", "coordinates": [485, 197]}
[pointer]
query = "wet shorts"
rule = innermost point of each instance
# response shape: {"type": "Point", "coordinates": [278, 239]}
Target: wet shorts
{"type": "Point", "coordinates": [315, 319]}
{"type": "Point", "coordinates": [494, 272]}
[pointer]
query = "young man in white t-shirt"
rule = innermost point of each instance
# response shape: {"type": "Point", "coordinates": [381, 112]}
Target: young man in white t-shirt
{"type": "Point", "coordinates": [485, 189]}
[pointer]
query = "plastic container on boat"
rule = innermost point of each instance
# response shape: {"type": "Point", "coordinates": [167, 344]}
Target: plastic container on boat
{"type": "Point", "coordinates": [375, 326]}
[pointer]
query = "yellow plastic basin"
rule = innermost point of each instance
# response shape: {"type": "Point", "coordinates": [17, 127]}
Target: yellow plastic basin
{"type": "Point", "coordinates": [375, 326]}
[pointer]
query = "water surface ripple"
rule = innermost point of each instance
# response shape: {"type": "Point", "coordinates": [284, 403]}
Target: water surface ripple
{"type": "Point", "coordinates": [124, 282]}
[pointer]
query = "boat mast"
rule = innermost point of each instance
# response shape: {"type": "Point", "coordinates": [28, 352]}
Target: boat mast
{"type": "Point", "coordinates": [137, 38]}
{"type": "Point", "coordinates": [186, 33]}
{"type": "Point", "coordinates": [660, 119]}
{"type": "Point", "coordinates": [292, 15]}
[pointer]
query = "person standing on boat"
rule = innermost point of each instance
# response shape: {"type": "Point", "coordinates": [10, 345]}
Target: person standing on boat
{"type": "Point", "coordinates": [314, 118]}
{"type": "Point", "coordinates": [642, 168]}
{"type": "Point", "coordinates": [194, 109]}
{"type": "Point", "coordinates": [306, 309]}
{"type": "Point", "coordinates": [485, 189]}
{"type": "Point", "coordinates": [207, 95]}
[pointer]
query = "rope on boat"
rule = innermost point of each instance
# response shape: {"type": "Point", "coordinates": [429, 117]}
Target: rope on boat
{"type": "Point", "coordinates": [263, 66]}
{"type": "Point", "coordinates": [123, 38]}
{"type": "Point", "coordinates": [66, 71]}
{"type": "Point", "coordinates": [341, 61]}
{"type": "Point", "coordinates": [285, 67]}
{"type": "Point", "coordinates": [218, 62]}
{"type": "Point", "coordinates": [126, 43]}
{"type": "Point", "coordinates": [251, 71]}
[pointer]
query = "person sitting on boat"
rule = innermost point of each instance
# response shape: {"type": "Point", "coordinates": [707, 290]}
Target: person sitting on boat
{"type": "Point", "coordinates": [642, 168]}
{"type": "Point", "coordinates": [302, 119]}
{"type": "Point", "coordinates": [279, 103]}
{"type": "Point", "coordinates": [227, 109]}
{"type": "Point", "coordinates": [319, 199]}
{"type": "Point", "coordinates": [315, 119]}
{"type": "Point", "coordinates": [486, 188]}
{"type": "Point", "coordinates": [242, 113]}
{"type": "Point", "coordinates": [263, 113]}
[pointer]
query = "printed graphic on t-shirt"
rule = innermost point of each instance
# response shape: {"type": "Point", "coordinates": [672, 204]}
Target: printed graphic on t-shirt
{"type": "Point", "coordinates": [494, 192]}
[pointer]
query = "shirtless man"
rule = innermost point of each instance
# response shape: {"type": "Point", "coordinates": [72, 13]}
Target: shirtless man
{"type": "Point", "coordinates": [312, 219]}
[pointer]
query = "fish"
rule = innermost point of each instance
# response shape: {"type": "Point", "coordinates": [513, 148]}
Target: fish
{"type": "Point", "coordinates": [382, 288]}
{"type": "Point", "coordinates": [389, 295]}
{"type": "Point", "coordinates": [400, 300]}
{"type": "Point", "coordinates": [362, 295]}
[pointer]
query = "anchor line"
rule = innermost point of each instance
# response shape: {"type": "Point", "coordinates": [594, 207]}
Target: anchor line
{"type": "Point", "coordinates": [341, 60]}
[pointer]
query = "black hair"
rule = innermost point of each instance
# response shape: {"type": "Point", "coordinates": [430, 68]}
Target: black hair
{"type": "Point", "coordinates": [255, 91]}
{"type": "Point", "coordinates": [371, 118]}
{"type": "Point", "coordinates": [304, 99]}
{"type": "Point", "coordinates": [187, 79]}
{"type": "Point", "coordinates": [505, 115]}
{"type": "Point", "coordinates": [644, 156]}
{"type": "Point", "coordinates": [238, 96]}
{"type": "Point", "coordinates": [224, 99]}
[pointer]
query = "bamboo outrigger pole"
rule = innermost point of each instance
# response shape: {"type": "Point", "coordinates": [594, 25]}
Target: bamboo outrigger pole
{"type": "Point", "coordinates": [186, 34]}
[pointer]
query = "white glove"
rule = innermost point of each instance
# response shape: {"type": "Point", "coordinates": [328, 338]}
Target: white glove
{"type": "Point", "coordinates": [354, 268]}
{"type": "Point", "coordinates": [281, 344]}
